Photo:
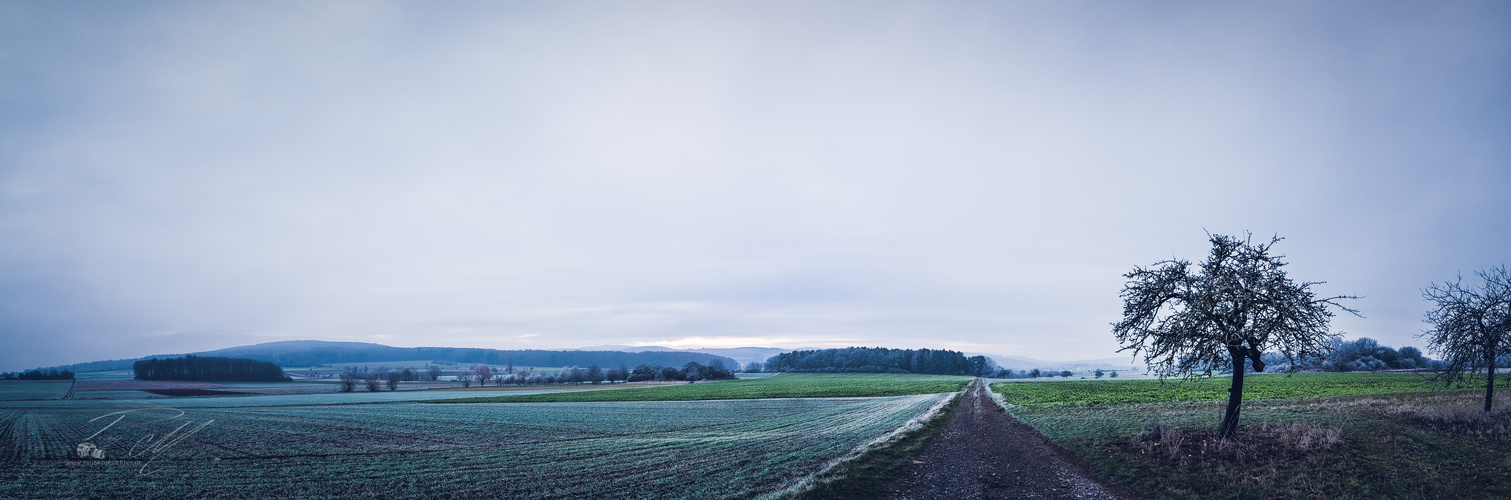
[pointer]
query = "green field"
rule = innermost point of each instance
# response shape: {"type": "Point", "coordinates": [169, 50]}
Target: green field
{"type": "Point", "coordinates": [663, 449]}
{"type": "Point", "coordinates": [786, 385]}
{"type": "Point", "coordinates": [1349, 435]}
{"type": "Point", "coordinates": [23, 390]}
{"type": "Point", "coordinates": [1210, 389]}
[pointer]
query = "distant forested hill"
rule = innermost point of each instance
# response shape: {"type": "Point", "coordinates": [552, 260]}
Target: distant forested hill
{"type": "Point", "coordinates": [296, 353]}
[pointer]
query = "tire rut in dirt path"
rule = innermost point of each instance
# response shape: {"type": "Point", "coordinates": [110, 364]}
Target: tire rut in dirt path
{"type": "Point", "coordinates": [982, 452]}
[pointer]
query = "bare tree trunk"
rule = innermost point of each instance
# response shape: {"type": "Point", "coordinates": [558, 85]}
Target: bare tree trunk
{"type": "Point", "coordinates": [1490, 386]}
{"type": "Point", "coordinates": [1229, 426]}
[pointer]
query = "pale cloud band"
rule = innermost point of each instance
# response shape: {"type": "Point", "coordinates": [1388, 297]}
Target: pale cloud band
{"type": "Point", "coordinates": [177, 177]}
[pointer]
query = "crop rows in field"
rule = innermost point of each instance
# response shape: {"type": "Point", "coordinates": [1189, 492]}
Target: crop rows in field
{"type": "Point", "coordinates": [786, 385]}
{"type": "Point", "coordinates": [23, 390]}
{"type": "Point", "coordinates": [1212, 389]}
{"type": "Point", "coordinates": [694, 449]}
{"type": "Point", "coordinates": [131, 399]}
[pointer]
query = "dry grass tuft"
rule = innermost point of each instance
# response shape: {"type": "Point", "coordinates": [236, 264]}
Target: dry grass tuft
{"type": "Point", "coordinates": [1166, 441]}
{"type": "Point", "coordinates": [1465, 420]}
{"type": "Point", "coordinates": [1303, 435]}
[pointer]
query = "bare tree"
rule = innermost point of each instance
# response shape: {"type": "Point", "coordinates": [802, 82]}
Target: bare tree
{"type": "Point", "coordinates": [1471, 328]}
{"type": "Point", "coordinates": [483, 373]}
{"type": "Point", "coordinates": [1232, 307]}
{"type": "Point", "coordinates": [393, 379]}
{"type": "Point", "coordinates": [348, 381]}
{"type": "Point", "coordinates": [433, 372]}
{"type": "Point", "coordinates": [372, 380]}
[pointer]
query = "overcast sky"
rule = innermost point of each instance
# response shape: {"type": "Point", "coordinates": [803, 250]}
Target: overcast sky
{"type": "Point", "coordinates": [183, 176]}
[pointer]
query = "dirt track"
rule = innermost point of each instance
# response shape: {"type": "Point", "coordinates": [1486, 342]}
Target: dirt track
{"type": "Point", "coordinates": [981, 452]}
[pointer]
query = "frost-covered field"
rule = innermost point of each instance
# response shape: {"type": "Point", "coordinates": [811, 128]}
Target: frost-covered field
{"type": "Point", "coordinates": [20, 390]}
{"type": "Point", "coordinates": [652, 449]}
{"type": "Point", "coordinates": [136, 399]}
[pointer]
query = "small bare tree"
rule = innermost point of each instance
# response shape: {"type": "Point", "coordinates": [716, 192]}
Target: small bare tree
{"type": "Point", "coordinates": [483, 373]}
{"type": "Point", "coordinates": [1231, 308]}
{"type": "Point", "coordinates": [393, 379]}
{"type": "Point", "coordinates": [371, 380]}
{"type": "Point", "coordinates": [1471, 328]}
{"type": "Point", "coordinates": [348, 381]}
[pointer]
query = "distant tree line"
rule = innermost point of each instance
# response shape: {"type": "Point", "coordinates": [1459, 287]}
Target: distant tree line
{"type": "Point", "coordinates": [692, 371]}
{"type": "Point", "coordinates": [374, 379]}
{"type": "Point", "coordinates": [593, 374]}
{"type": "Point", "coordinates": [430, 372]}
{"type": "Point", "coordinates": [38, 375]}
{"type": "Point", "coordinates": [1037, 373]}
{"type": "Point", "coordinates": [1364, 354]}
{"type": "Point", "coordinates": [374, 353]}
{"type": "Point", "coordinates": [208, 368]}
{"type": "Point", "coordinates": [377, 379]}
{"type": "Point", "coordinates": [881, 360]}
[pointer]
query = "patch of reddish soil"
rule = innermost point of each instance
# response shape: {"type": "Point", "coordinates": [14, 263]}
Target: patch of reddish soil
{"type": "Point", "coordinates": [982, 452]}
{"type": "Point", "coordinates": [192, 392]}
{"type": "Point", "coordinates": [142, 385]}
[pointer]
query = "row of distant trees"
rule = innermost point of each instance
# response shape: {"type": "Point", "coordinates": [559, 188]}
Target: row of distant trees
{"type": "Point", "coordinates": [193, 367]}
{"type": "Point", "coordinates": [375, 379]}
{"type": "Point", "coordinates": [374, 355]}
{"type": "Point", "coordinates": [38, 375]}
{"type": "Point", "coordinates": [430, 372]}
{"type": "Point", "coordinates": [693, 371]}
{"type": "Point", "coordinates": [881, 360]}
{"type": "Point", "coordinates": [1036, 373]}
{"type": "Point", "coordinates": [482, 375]}
{"type": "Point", "coordinates": [593, 374]}
{"type": "Point", "coordinates": [1365, 354]}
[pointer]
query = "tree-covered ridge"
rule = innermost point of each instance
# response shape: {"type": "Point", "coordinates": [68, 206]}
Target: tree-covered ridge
{"type": "Point", "coordinates": [881, 360]}
{"type": "Point", "coordinates": [208, 368]}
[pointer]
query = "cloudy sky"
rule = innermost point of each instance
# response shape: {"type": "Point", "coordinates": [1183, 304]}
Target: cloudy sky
{"type": "Point", "coordinates": [182, 176]}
